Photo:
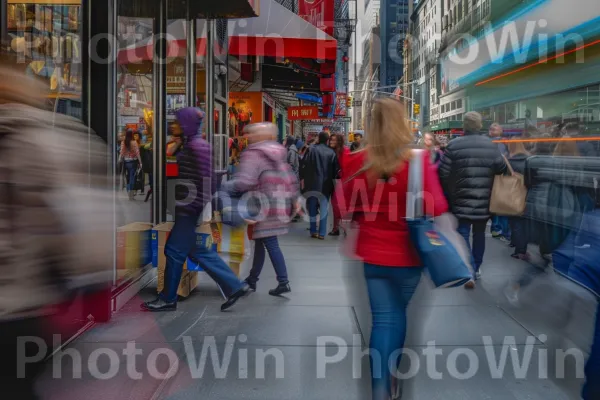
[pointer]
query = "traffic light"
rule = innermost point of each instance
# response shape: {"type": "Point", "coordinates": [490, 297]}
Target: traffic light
{"type": "Point", "coordinates": [417, 109]}
{"type": "Point", "coordinates": [349, 102]}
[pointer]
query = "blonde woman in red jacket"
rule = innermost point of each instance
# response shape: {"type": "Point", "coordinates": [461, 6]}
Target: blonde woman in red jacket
{"type": "Point", "coordinates": [377, 183]}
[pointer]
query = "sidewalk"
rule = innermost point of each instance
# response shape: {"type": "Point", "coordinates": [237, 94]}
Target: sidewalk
{"type": "Point", "coordinates": [328, 299]}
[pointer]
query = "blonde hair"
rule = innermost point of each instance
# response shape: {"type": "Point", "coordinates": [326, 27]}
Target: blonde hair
{"type": "Point", "coordinates": [262, 130]}
{"type": "Point", "coordinates": [389, 137]}
{"type": "Point", "coordinates": [517, 147]}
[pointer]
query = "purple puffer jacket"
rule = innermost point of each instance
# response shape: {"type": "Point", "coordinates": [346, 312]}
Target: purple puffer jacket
{"type": "Point", "coordinates": [263, 169]}
{"type": "Point", "coordinates": [196, 172]}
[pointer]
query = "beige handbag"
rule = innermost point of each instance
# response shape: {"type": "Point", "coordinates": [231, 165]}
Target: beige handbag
{"type": "Point", "coordinates": [509, 194]}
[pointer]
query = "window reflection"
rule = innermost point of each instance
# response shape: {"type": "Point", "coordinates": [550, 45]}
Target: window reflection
{"type": "Point", "coordinates": [44, 40]}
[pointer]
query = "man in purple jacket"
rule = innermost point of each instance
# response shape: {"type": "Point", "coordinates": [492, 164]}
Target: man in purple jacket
{"type": "Point", "coordinates": [194, 190]}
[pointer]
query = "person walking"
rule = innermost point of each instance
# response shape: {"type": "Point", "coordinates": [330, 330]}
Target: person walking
{"type": "Point", "coordinates": [336, 142]}
{"type": "Point", "coordinates": [320, 170]}
{"type": "Point", "coordinates": [467, 172]}
{"type": "Point", "coordinates": [56, 213]}
{"type": "Point", "coordinates": [357, 142]}
{"type": "Point", "coordinates": [265, 173]}
{"type": "Point", "coordinates": [130, 156]}
{"type": "Point", "coordinates": [195, 171]}
{"type": "Point", "coordinates": [500, 227]}
{"type": "Point", "coordinates": [432, 147]}
{"type": "Point", "coordinates": [392, 266]}
{"type": "Point", "coordinates": [293, 158]}
{"type": "Point", "coordinates": [518, 156]}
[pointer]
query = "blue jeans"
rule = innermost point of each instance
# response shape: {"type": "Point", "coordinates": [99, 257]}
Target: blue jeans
{"type": "Point", "coordinates": [390, 290]}
{"type": "Point", "coordinates": [131, 168]}
{"type": "Point", "coordinates": [318, 205]}
{"type": "Point", "coordinates": [271, 244]}
{"type": "Point", "coordinates": [496, 227]}
{"type": "Point", "coordinates": [501, 225]}
{"type": "Point", "coordinates": [181, 245]}
{"type": "Point", "coordinates": [478, 247]}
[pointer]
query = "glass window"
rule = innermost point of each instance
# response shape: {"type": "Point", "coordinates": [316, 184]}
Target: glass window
{"type": "Point", "coordinates": [459, 103]}
{"type": "Point", "coordinates": [45, 41]}
{"type": "Point", "coordinates": [135, 113]}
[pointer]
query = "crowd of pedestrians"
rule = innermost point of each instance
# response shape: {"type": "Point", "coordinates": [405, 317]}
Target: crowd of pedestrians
{"type": "Point", "coordinates": [560, 175]}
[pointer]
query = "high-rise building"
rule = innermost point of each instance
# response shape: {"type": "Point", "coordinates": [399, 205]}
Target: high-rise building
{"type": "Point", "coordinates": [426, 21]}
{"type": "Point", "coordinates": [394, 26]}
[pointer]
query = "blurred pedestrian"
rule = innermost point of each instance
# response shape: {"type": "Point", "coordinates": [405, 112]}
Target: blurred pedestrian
{"type": "Point", "coordinates": [544, 147]}
{"type": "Point", "coordinates": [467, 173]}
{"type": "Point", "coordinates": [195, 171]}
{"type": "Point", "coordinates": [336, 142]}
{"type": "Point", "coordinates": [320, 170]}
{"type": "Point", "coordinates": [392, 266]}
{"type": "Point", "coordinates": [130, 156]}
{"type": "Point", "coordinates": [55, 227]}
{"type": "Point", "coordinates": [264, 171]}
{"type": "Point", "coordinates": [518, 156]}
{"type": "Point", "coordinates": [500, 227]}
{"type": "Point", "coordinates": [584, 148]}
{"type": "Point", "coordinates": [567, 148]}
{"type": "Point", "coordinates": [432, 146]}
{"type": "Point", "coordinates": [357, 142]}
{"type": "Point", "coordinates": [293, 158]}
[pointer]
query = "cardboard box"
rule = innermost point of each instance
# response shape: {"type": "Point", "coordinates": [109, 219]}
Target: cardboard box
{"type": "Point", "coordinates": [133, 246]}
{"type": "Point", "coordinates": [160, 234]}
{"type": "Point", "coordinates": [188, 282]}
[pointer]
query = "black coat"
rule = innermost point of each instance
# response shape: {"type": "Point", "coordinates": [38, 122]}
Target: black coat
{"type": "Point", "coordinates": [320, 167]}
{"type": "Point", "coordinates": [517, 162]}
{"type": "Point", "coordinates": [467, 172]}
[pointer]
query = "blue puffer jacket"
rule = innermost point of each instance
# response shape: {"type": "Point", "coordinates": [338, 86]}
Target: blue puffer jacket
{"type": "Point", "coordinates": [196, 172]}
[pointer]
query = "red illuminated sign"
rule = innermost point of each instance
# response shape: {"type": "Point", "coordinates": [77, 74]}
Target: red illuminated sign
{"type": "Point", "coordinates": [303, 113]}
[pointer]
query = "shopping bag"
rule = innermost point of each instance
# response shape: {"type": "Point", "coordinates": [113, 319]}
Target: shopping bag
{"type": "Point", "coordinates": [509, 194]}
{"type": "Point", "coordinates": [139, 180]}
{"type": "Point", "coordinates": [437, 251]}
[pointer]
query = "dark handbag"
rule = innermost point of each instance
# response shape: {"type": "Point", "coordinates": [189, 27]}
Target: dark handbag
{"type": "Point", "coordinates": [437, 251]}
{"type": "Point", "coordinates": [139, 180]}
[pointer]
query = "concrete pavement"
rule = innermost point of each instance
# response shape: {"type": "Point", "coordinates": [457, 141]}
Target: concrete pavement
{"type": "Point", "coordinates": [269, 348]}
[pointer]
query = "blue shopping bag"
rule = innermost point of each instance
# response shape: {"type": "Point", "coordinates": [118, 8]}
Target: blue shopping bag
{"type": "Point", "coordinates": [438, 250]}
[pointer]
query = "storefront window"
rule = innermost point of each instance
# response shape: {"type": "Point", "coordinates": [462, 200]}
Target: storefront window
{"type": "Point", "coordinates": [546, 114]}
{"type": "Point", "coordinates": [134, 110]}
{"type": "Point", "coordinates": [44, 40]}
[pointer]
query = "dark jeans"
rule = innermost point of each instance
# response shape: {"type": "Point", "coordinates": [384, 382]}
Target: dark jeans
{"type": "Point", "coordinates": [520, 237]}
{"type": "Point", "coordinates": [390, 291]}
{"type": "Point", "coordinates": [13, 384]}
{"type": "Point", "coordinates": [318, 205]}
{"type": "Point", "coordinates": [131, 168]}
{"type": "Point", "coordinates": [271, 244]}
{"type": "Point", "coordinates": [182, 244]}
{"type": "Point", "coordinates": [478, 246]}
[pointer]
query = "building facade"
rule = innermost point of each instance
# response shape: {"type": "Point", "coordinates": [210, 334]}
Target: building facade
{"type": "Point", "coordinates": [426, 27]}
{"type": "Point", "coordinates": [542, 80]}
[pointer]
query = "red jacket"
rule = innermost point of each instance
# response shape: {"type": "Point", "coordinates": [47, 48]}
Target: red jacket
{"type": "Point", "coordinates": [380, 211]}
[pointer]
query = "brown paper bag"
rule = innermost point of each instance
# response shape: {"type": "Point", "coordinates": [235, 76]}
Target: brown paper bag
{"type": "Point", "coordinates": [509, 194]}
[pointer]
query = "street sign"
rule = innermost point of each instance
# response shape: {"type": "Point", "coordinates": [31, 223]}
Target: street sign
{"type": "Point", "coordinates": [343, 119]}
{"type": "Point", "coordinates": [357, 103]}
{"type": "Point", "coordinates": [303, 113]}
